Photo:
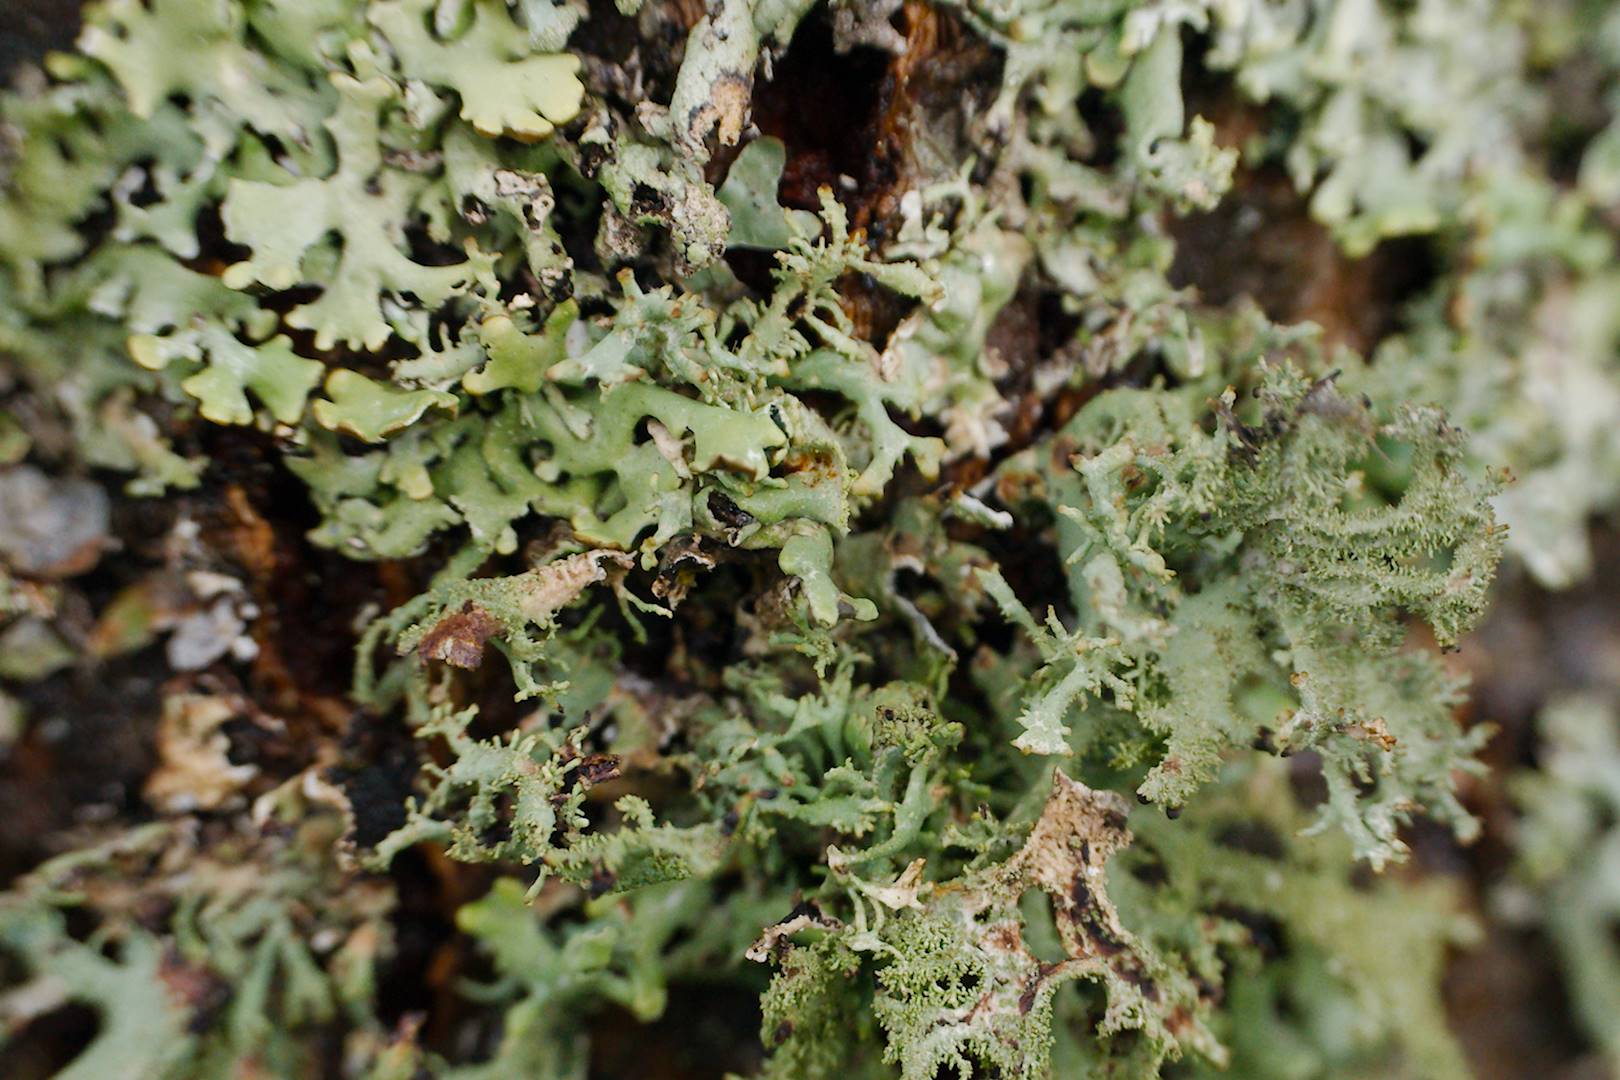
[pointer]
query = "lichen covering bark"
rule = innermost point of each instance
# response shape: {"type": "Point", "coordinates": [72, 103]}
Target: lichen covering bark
{"type": "Point", "coordinates": [741, 495]}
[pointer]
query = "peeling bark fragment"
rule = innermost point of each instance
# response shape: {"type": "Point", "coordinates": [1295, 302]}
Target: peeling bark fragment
{"type": "Point", "coordinates": [1066, 856]}
{"type": "Point", "coordinates": [964, 986]}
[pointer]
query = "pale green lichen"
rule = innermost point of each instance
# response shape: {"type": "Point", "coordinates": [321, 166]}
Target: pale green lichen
{"type": "Point", "coordinates": [1568, 854]}
{"type": "Point", "coordinates": [808, 538]}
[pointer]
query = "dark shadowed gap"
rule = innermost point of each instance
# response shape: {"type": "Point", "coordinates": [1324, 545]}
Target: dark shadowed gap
{"type": "Point", "coordinates": [35, 27]}
{"type": "Point", "coordinates": [707, 1030]}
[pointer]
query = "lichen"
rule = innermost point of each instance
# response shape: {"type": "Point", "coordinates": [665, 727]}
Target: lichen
{"type": "Point", "coordinates": [819, 504]}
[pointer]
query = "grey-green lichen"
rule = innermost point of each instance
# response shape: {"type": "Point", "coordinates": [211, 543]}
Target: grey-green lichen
{"type": "Point", "coordinates": [1568, 855]}
{"type": "Point", "coordinates": [861, 550]}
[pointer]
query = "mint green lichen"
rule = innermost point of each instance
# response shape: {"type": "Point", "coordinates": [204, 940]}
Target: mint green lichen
{"type": "Point", "coordinates": [812, 543]}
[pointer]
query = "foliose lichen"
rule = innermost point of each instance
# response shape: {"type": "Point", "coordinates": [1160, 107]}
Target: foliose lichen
{"type": "Point", "coordinates": [905, 591]}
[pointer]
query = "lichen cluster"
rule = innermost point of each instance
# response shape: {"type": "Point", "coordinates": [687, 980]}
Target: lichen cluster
{"type": "Point", "coordinates": [784, 521]}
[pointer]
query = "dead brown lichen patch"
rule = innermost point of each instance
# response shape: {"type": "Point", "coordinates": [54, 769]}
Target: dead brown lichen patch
{"type": "Point", "coordinates": [194, 770]}
{"type": "Point", "coordinates": [1066, 856]}
{"type": "Point", "coordinates": [458, 638]}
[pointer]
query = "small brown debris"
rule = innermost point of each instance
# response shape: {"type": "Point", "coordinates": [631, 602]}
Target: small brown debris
{"type": "Point", "coordinates": [678, 569]}
{"type": "Point", "coordinates": [602, 881]}
{"type": "Point", "coordinates": [1374, 731]}
{"type": "Point", "coordinates": [599, 768]}
{"type": "Point", "coordinates": [458, 638]}
{"type": "Point", "coordinates": [200, 991]}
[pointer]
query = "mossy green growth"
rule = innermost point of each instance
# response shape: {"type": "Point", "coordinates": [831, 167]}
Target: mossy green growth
{"type": "Point", "coordinates": [906, 586]}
